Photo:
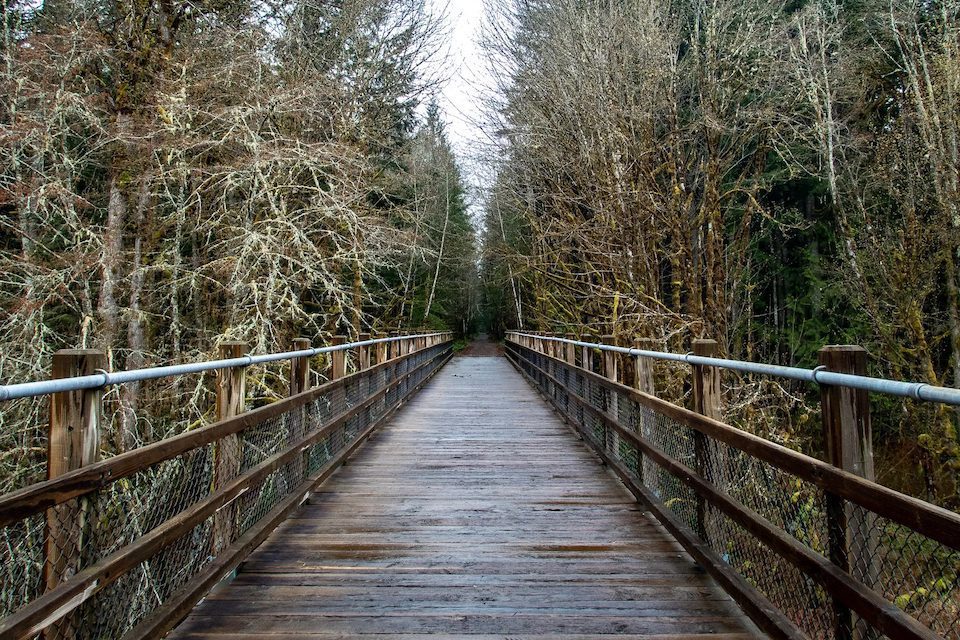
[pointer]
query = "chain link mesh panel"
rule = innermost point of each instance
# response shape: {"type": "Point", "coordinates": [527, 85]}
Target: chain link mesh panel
{"type": "Point", "coordinates": [918, 575]}
{"type": "Point", "coordinates": [85, 530]}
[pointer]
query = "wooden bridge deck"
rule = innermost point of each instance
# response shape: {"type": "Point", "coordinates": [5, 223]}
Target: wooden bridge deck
{"type": "Point", "coordinates": [475, 512]}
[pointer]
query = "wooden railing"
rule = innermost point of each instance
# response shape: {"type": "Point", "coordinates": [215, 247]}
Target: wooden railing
{"type": "Point", "coordinates": [808, 550]}
{"type": "Point", "coordinates": [124, 547]}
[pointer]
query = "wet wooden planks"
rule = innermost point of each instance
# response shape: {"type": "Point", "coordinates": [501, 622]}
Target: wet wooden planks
{"type": "Point", "coordinates": [476, 513]}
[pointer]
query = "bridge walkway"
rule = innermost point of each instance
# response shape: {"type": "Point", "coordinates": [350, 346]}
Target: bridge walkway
{"type": "Point", "coordinates": [474, 512]}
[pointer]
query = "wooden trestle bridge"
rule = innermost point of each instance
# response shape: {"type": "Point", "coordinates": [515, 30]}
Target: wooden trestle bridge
{"type": "Point", "coordinates": [545, 492]}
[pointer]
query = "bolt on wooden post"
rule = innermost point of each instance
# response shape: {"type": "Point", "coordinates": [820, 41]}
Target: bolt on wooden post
{"type": "Point", "coordinates": [73, 442]}
{"type": "Point", "coordinates": [706, 401]}
{"type": "Point", "coordinates": [848, 441]}
{"type": "Point", "coordinates": [231, 402]}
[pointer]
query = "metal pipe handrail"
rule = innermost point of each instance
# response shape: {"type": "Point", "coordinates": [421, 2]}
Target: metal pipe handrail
{"type": "Point", "coordinates": [104, 378]}
{"type": "Point", "coordinates": [820, 375]}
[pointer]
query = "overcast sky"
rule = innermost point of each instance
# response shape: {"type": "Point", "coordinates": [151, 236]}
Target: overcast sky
{"type": "Point", "coordinates": [459, 100]}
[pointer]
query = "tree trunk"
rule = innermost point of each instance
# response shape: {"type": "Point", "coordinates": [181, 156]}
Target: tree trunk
{"type": "Point", "coordinates": [443, 240]}
{"type": "Point", "coordinates": [110, 260]}
{"type": "Point", "coordinates": [136, 335]}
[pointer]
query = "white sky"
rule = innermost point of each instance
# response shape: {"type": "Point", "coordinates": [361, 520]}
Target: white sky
{"type": "Point", "coordinates": [460, 98]}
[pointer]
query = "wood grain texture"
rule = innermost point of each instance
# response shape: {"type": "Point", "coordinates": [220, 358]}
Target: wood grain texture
{"type": "Point", "coordinates": [929, 520]}
{"type": "Point", "coordinates": [475, 512]}
{"type": "Point", "coordinates": [73, 443]}
{"type": "Point", "coordinates": [231, 402]}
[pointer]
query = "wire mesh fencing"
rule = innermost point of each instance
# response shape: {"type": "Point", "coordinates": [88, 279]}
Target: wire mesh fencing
{"type": "Point", "coordinates": [101, 553]}
{"type": "Point", "coordinates": [783, 523]}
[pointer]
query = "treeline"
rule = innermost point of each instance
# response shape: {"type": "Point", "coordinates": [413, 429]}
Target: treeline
{"type": "Point", "coordinates": [174, 174]}
{"type": "Point", "coordinates": [777, 175]}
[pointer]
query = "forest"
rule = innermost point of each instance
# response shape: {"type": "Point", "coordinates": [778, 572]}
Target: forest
{"type": "Point", "coordinates": [177, 174]}
{"type": "Point", "coordinates": [776, 175]}
{"type": "Point", "coordinates": [187, 180]}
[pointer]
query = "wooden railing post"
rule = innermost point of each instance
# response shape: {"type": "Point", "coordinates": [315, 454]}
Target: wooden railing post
{"type": "Point", "coordinates": [381, 352]}
{"type": "Point", "coordinates": [611, 372]}
{"type": "Point", "coordinates": [848, 441]}
{"type": "Point", "coordinates": [300, 368]}
{"type": "Point", "coordinates": [643, 381]}
{"type": "Point", "coordinates": [404, 365]}
{"type": "Point", "coordinates": [73, 442]}
{"type": "Point", "coordinates": [643, 368]}
{"type": "Point", "coordinates": [297, 422]}
{"type": "Point", "coordinates": [380, 355]}
{"type": "Point", "coordinates": [549, 349]}
{"type": "Point", "coordinates": [363, 353]}
{"type": "Point", "coordinates": [366, 382]}
{"type": "Point", "coordinates": [231, 399]}
{"type": "Point", "coordinates": [706, 401]}
{"type": "Point", "coordinates": [338, 359]}
{"type": "Point", "coordinates": [568, 355]}
{"type": "Point", "coordinates": [571, 378]}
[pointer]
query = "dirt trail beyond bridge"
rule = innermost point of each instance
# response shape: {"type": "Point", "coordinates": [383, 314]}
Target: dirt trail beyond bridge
{"type": "Point", "coordinates": [482, 347]}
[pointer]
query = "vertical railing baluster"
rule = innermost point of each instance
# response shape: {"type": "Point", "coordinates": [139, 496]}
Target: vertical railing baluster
{"type": "Point", "coordinates": [73, 442]}
{"type": "Point", "coordinates": [706, 401]}
{"type": "Point", "coordinates": [298, 421]}
{"type": "Point", "coordinates": [363, 383]}
{"type": "Point", "coordinates": [231, 401]}
{"type": "Point", "coordinates": [643, 381]}
{"type": "Point", "coordinates": [611, 401]}
{"type": "Point", "coordinates": [338, 360]}
{"type": "Point", "coordinates": [570, 357]}
{"type": "Point", "coordinates": [848, 443]}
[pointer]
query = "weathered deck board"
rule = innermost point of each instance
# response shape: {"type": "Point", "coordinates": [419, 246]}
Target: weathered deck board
{"type": "Point", "coordinates": [477, 513]}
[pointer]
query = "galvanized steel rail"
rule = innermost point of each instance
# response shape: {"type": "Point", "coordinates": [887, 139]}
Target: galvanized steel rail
{"type": "Point", "coordinates": [820, 375]}
{"type": "Point", "coordinates": [105, 378]}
